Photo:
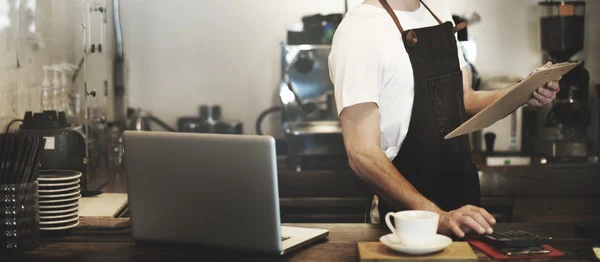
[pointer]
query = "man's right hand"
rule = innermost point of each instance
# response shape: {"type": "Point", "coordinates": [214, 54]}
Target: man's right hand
{"type": "Point", "coordinates": [465, 219]}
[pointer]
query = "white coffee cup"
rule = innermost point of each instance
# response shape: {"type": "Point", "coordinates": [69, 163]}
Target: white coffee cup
{"type": "Point", "coordinates": [413, 227]}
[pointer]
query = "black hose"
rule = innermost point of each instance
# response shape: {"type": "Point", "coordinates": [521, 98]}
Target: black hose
{"type": "Point", "coordinates": [162, 124]}
{"type": "Point", "coordinates": [10, 124]}
{"type": "Point", "coordinates": [298, 100]}
{"type": "Point", "coordinates": [262, 116]}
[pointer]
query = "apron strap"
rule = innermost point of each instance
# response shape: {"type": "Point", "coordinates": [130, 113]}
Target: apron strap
{"type": "Point", "coordinates": [434, 16]}
{"type": "Point", "coordinates": [390, 11]}
{"type": "Point", "coordinates": [462, 25]}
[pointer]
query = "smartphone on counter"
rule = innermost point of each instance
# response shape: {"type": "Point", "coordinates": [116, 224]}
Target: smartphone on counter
{"type": "Point", "coordinates": [524, 251]}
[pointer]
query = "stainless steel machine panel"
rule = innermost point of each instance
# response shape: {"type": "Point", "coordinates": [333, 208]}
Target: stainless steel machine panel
{"type": "Point", "coordinates": [305, 79]}
{"type": "Point", "coordinates": [309, 112]}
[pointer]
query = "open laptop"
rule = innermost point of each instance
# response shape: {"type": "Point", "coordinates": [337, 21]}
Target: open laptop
{"type": "Point", "coordinates": [208, 189]}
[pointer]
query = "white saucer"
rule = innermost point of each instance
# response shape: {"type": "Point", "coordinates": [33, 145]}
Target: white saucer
{"type": "Point", "coordinates": [60, 211]}
{"type": "Point", "coordinates": [60, 228]}
{"type": "Point", "coordinates": [58, 190]}
{"type": "Point", "coordinates": [46, 207]}
{"type": "Point", "coordinates": [47, 217]}
{"type": "Point", "coordinates": [51, 222]}
{"type": "Point", "coordinates": [59, 200]}
{"type": "Point", "coordinates": [58, 175]}
{"type": "Point", "coordinates": [438, 243]}
{"type": "Point", "coordinates": [61, 195]}
{"type": "Point", "coordinates": [68, 183]}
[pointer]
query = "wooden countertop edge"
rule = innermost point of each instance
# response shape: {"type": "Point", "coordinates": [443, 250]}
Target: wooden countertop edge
{"type": "Point", "coordinates": [341, 245]}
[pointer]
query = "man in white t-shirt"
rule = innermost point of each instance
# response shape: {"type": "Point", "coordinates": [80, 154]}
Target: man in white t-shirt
{"type": "Point", "coordinates": [401, 85]}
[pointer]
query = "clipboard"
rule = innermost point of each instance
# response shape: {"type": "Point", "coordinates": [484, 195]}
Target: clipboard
{"type": "Point", "coordinates": [517, 95]}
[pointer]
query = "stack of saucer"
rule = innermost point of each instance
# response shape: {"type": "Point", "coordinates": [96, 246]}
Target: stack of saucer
{"type": "Point", "coordinates": [59, 195]}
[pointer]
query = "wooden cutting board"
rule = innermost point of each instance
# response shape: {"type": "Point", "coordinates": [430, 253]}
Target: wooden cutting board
{"type": "Point", "coordinates": [103, 205]}
{"type": "Point", "coordinates": [376, 251]}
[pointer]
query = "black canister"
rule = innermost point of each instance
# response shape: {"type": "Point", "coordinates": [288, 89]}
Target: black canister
{"type": "Point", "coordinates": [562, 28]}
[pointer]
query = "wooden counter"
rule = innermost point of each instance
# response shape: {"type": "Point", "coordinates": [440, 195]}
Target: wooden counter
{"type": "Point", "coordinates": [552, 192]}
{"type": "Point", "coordinates": [88, 244]}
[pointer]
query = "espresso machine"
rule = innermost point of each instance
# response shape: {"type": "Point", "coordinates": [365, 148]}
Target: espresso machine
{"type": "Point", "coordinates": [69, 147]}
{"type": "Point", "coordinates": [309, 114]}
{"type": "Point", "coordinates": [562, 133]}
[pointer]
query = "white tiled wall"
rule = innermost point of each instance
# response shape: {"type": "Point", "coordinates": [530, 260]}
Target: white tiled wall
{"type": "Point", "coordinates": [56, 21]}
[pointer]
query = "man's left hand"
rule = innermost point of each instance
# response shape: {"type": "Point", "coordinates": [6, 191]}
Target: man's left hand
{"type": "Point", "coordinates": [544, 94]}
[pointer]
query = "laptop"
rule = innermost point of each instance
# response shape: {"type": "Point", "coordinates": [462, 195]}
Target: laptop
{"type": "Point", "coordinates": [208, 189]}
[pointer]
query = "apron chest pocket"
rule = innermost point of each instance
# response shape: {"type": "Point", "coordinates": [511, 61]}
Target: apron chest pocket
{"type": "Point", "coordinates": [446, 93]}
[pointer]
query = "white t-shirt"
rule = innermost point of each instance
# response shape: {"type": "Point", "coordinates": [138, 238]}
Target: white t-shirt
{"type": "Point", "coordinates": [368, 63]}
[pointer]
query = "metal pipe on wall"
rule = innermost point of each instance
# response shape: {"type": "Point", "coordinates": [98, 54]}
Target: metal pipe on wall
{"type": "Point", "coordinates": [120, 104]}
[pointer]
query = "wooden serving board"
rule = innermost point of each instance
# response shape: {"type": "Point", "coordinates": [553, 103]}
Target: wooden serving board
{"type": "Point", "coordinates": [377, 251]}
{"type": "Point", "coordinates": [103, 205]}
{"type": "Point", "coordinates": [517, 95]}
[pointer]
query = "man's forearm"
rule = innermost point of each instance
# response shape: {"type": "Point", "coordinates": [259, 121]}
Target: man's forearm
{"type": "Point", "coordinates": [475, 101]}
{"type": "Point", "coordinates": [373, 166]}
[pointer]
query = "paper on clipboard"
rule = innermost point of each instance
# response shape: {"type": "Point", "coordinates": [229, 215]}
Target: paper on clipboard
{"type": "Point", "coordinates": [517, 95]}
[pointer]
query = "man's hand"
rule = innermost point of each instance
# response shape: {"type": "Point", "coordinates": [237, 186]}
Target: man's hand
{"type": "Point", "coordinates": [544, 94]}
{"type": "Point", "coordinates": [465, 219]}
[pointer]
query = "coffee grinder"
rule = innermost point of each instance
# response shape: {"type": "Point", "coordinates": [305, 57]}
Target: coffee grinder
{"type": "Point", "coordinates": [562, 136]}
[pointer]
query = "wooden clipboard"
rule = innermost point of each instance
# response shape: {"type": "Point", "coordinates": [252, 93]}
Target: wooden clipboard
{"type": "Point", "coordinates": [517, 95]}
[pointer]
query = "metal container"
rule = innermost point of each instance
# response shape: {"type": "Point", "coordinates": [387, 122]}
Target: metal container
{"type": "Point", "coordinates": [305, 83]}
{"type": "Point", "coordinates": [309, 112]}
{"type": "Point", "coordinates": [316, 145]}
{"type": "Point", "coordinates": [564, 144]}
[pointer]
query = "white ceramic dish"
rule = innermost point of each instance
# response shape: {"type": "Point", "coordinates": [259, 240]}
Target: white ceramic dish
{"type": "Point", "coordinates": [60, 228]}
{"type": "Point", "coordinates": [59, 211]}
{"type": "Point", "coordinates": [58, 190]}
{"type": "Point", "coordinates": [66, 194]}
{"type": "Point", "coordinates": [66, 183]}
{"type": "Point", "coordinates": [61, 206]}
{"type": "Point", "coordinates": [52, 222]}
{"type": "Point", "coordinates": [47, 217]}
{"type": "Point", "coordinates": [59, 200]}
{"type": "Point", "coordinates": [438, 243]}
{"type": "Point", "coordinates": [58, 175]}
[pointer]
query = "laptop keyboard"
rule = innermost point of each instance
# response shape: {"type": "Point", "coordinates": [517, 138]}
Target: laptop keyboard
{"type": "Point", "coordinates": [284, 238]}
